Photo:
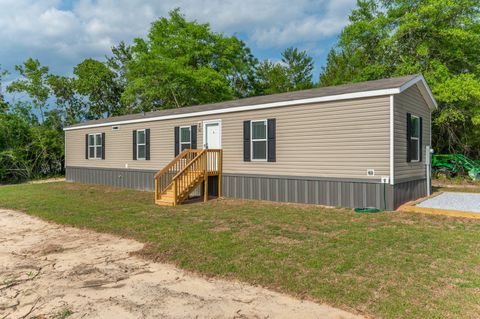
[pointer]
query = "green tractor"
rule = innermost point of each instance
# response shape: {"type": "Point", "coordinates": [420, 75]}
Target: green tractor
{"type": "Point", "coordinates": [449, 165]}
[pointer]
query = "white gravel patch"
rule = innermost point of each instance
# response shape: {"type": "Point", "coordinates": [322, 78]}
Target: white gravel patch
{"type": "Point", "coordinates": [467, 202]}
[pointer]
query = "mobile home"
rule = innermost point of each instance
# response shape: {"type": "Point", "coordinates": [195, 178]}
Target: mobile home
{"type": "Point", "coordinates": [354, 145]}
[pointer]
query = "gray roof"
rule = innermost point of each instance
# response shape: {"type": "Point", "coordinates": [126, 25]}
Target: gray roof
{"type": "Point", "coordinates": [382, 84]}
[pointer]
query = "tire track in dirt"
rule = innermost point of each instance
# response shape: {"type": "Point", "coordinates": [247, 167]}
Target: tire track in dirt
{"type": "Point", "coordinates": [47, 270]}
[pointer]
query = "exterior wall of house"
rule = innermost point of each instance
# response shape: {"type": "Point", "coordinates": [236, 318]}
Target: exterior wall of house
{"type": "Point", "coordinates": [410, 177]}
{"type": "Point", "coordinates": [323, 152]}
{"type": "Point", "coordinates": [410, 101]}
{"type": "Point", "coordinates": [339, 139]}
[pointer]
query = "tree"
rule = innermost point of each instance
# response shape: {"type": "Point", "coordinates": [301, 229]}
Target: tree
{"type": "Point", "coordinates": [3, 103]}
{"type": "Point", "coordinates": [440, 39]}
{"type": "Point", "coordinates": [121, 55]}
{"type": "Point", "coordinates": [299, 68]}
{"type": "Point", "coordinates": [293, 73]}
{"type": "Point", "coordinates": [272, 78]}
{"type": "Point", "coordinates": [98, 83]}
{"type": "Point", "coordinates": [184, 63]}
{"type": "Point", "coordinates": [29, 149]}
{"type": "Point", "coordinates": [14, 137]}
{"type": "Point", "coordinates": [69, 104]}
{"type": "Point", "coordinates": [34, 83]}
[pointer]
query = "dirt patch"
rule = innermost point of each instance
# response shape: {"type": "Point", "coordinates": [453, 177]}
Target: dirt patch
{"type": "Point", "coordinates": [464, 182]}
{"type": "Point", "coordinates": [50, 271]}
{"type": "Point", "coordinates": [220, 229]}
{"type": "Point", "coordinates": [48, 180]}
{"type": "Point", "coordinates": [285, 241]}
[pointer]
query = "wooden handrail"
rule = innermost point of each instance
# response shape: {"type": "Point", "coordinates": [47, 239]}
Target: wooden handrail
{"type": "Point", "coordinates": [188, 169]}
{"type": "Point", "coordinates": [169, 165]}
{"type": "Point", "coordinates": [163, 179]}
{"type": "Point", "coordinates": [189, 164]}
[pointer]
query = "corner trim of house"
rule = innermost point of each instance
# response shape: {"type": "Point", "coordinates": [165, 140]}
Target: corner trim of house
{"type": "Point", "coordinates": [392, 140]}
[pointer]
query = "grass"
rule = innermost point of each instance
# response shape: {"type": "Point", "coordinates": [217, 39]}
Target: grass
{"type": "Point", "coordinates": [458, 180]}
{"type": "Point", "coordinates": [65, 313]}
{"type": "Point", "coordinates": [385, 265]}
{"type": "Point", "coordinates": [456, 184]}
{"type": "Point", "coordinates": [457, 189]}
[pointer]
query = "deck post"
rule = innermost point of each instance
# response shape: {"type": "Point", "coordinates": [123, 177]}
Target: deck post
{"type": "Point", "coordinates": [156, 188]}
{"type": "Point", "coordinates": [205, 179]}
{"type": "Point", "coordinates": [174, 192]}
{"type": "Point", "coordinates": [220, 168]}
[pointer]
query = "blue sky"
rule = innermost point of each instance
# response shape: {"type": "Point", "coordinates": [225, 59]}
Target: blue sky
{"type": "Point", "coordinates": [63, 33]}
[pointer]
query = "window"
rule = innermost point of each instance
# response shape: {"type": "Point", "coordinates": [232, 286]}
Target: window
{"type": "Point", "coordinates": [95, 146]}
{"type": "Point", "coordinates": [141, 145]}
{"type": "Point", "coordinates": [259, 140]}
{"type": "Point", "coordinates": [185, 138]}
{"type": "Point", "coordinates": [415, 138]}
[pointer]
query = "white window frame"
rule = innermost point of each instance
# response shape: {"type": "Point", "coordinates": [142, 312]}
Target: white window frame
{"type": "Point", "coordinates": [142, 144]}
{"type": "Point", "coordinates": [259, 140]}
{"type": "Point", "coordinates": [180, 137]}
{"type": "Point", "coordinates": [419, 147]}
{"type": "Point", "coordinates": [95, 146]}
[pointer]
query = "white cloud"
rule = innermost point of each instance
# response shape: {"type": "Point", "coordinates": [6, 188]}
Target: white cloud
{"type": "Point", "coordinates": [327, 20]}
{"type": "Point", "coordinates": [63, 36]}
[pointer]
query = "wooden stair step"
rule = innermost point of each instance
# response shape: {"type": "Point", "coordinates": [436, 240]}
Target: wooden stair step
{"type": "Point", "coordinates": [193, 165]}
{"type": "Point", "coordinates": [164, 202]}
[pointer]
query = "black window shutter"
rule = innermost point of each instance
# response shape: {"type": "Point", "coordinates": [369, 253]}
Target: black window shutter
{"type": "Point", "coordinates": [271, 127]}
{"type": "Point", "coordinates": [194, 136]}
{"type": "Point", "coordinates": [420, 139]}
{"type": "Point", "coordinates": [134, 145]}
{"type": "Point", "coordinates": [177, 140]}
{"type": "Point", "coordinates": [103, 146]}
{"type": "Point", "coordinates": [246, 141]}
{"type": "Point", "coordinates": [409, 135]}
{"type": "Point", "coordinates": [147, 144]}
{"type": "Point", "coordinates": [86, 146]}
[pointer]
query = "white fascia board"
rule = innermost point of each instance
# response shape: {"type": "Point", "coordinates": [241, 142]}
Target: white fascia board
{"type": "Point", "coordinates": [421, 79]}
{"type": "Point", "coordinates": [246, 108]}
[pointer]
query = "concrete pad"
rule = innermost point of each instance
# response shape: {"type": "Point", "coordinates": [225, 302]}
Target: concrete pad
{"type": "Point", "coordinates": [464, 202]}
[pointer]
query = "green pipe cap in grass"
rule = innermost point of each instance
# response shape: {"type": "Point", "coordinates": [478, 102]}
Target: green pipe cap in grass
{"type": "Point", "coordinates": [367, 210]}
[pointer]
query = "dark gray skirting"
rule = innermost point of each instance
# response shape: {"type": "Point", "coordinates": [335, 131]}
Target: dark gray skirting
{"type": "Point", "coordinates": [308, 190]}
{"type": "Point", "coordinates": [128, 178]}
{"type": "Point", "coordinates": [409, 190]}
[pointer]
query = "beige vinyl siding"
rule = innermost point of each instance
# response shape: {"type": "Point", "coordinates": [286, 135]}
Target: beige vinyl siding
{"type": "Point", "coordinates": [333, 139]}
{"type": "Point", "coordinates": [410, 101]}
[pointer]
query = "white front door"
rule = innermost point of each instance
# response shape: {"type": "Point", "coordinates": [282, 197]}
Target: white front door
{"type": "Point", "coordinates": [212, 135]}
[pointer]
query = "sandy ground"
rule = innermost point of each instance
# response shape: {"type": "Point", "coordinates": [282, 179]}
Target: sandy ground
{"type": "Point", "coordinates": [50, 271]}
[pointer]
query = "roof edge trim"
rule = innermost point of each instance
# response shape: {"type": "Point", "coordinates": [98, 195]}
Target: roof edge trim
{"type": "Point", "coordinates": [339, 97]}
{"type": "Point", "coordinates": [427, 93]}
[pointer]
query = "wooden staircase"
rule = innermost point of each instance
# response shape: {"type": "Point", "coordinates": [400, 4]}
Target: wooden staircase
{"type": "Point", "coordinates": [176, 181]}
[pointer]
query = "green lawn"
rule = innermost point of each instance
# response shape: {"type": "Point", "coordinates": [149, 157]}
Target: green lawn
{"type": "Point", "coordinates": [386, 265]}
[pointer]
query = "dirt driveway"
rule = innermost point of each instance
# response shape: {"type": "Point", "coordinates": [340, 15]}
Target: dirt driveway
{"type": "Point", "coordinates": [52, 271]}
